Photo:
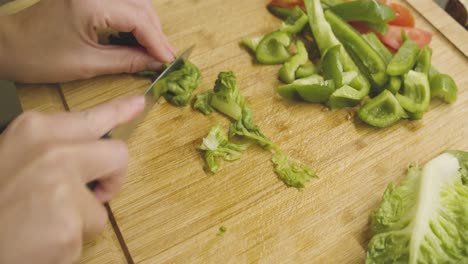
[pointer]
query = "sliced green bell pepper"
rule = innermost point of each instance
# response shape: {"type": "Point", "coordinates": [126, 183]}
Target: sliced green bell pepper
{"type": "Point", "coordinates": [306, 70]}
{"type": "Point", "coordinates": [382, 110]}
{"type": "Point", "coordinates": [345, 96]}
{"type": "Point", "coordinates": [251, 43]}
{"type": "Point", "coordinates": [443, 86]}
{"type": "Point", "coordinates": [331, 65]}
{"type": "Point", "coordinates": [364, 10]}
{"type": "Point", "coordinates": [423, 63]}
{"type": "Point", "coordinates": [280, 12]}
{"type": "Point", "coordinates": [273, 48]}
{"type": "Point", "coordinates": [287, 72]}
{"type": "Point", "coordinates": [295, 22]}
{"type": "Point", "coordinates": [325, 39]}
{"type": "Point", "coordinates": [316, 93]}
{"type": "Point", "coordinates": [378, 46]}
{"type": "Point", "coordinates": [394, 84]}
{"type": "Point", "coordinates": [358, 47]}
{"type": "Point", "coordinates": [404, 60]}
{"type": "Point", "coordinates": [416, 93]}
{"type": "Point", "coordinates": [312, 89]}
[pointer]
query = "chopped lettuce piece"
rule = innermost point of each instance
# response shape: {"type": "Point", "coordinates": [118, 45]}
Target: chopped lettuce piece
{"type": "Point", "coordinates": [177, 87]}
{"type": "Point", "coordinates": [246, 127]}
{"type": "Point", "coordinates": [425, 219]}
{"type": "Point", "coordinates": [216, 146]}
{"type": "Point", "coordinates": [202, 103]}
{"type": "Point", "coordinates": [291, 172]}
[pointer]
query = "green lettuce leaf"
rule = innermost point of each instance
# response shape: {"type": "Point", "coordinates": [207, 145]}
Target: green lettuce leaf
{"type": "Point", "coordinates": [216, 146]}
{"type": "Point", "coordinates": [425, 218]}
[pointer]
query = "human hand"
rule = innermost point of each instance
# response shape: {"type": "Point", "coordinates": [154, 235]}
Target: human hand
{"type": "Point", "coordinates": [46, 211]}
{"type": "Point", "coordinates": [57, 41]}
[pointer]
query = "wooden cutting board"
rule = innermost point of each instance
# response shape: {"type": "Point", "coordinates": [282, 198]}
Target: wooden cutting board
{"type": "Point", "coordinates": [170, 209]}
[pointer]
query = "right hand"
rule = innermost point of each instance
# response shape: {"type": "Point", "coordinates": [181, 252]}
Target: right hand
{"type": "Point", "coordinates": [46, 210]}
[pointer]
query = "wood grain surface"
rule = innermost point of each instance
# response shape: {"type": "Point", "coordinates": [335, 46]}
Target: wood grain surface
{"type": "Point", "coordinates": [170, 209]}
{"type": "Point", "coordinates": [445, 24]}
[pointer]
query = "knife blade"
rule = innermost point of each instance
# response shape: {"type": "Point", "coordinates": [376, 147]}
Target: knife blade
{"type": "Point", "coordinates": [124, 131]}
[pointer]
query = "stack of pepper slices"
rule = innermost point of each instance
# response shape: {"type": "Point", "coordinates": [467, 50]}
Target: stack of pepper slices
{"type": "Point", "coordinates": [353, 53]}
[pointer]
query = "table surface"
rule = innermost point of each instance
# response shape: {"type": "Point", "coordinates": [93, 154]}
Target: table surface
{"type": "Point", "coordinates": [170, 209]}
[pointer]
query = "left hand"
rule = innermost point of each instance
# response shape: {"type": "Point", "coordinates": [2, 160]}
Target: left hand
{"type": "Point", "coordinates": [56, 40]}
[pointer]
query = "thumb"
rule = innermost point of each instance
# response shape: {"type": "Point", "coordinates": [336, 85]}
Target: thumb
{"type": "Point", "coordinates": [116, 59]}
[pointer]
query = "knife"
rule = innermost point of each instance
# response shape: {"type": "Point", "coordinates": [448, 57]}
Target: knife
{"type": "Point", "coordinates": [124, 131]}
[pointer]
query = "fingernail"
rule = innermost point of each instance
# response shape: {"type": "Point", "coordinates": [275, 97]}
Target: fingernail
{"type": "Point", "coordinates": [154, 66]}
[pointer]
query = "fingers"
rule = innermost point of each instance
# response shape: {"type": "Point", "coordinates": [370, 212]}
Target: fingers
{"type": "Point", "coordinates": [114, 59]}
{"type": "Point", "coordinates": [94, 122]}
{"type": "Point", "coordinates": [97, 159]}
{"type": "Point", "coordinates": [144, 26]}
{"type": "Point", "coordinates": [93, 215]}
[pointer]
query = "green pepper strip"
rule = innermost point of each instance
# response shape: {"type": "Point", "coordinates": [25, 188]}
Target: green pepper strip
{"type": "Point", "coordinates": [358, 47]}
{"type": "Point", "coordinates": [331, 65]}
{"type": "Point", "coordinates": [364, 10]}
{"type": "Point", "coordinates": [280, 12]}
{"type": "Point", "coordinates": [443, 86]}
{"type": "Point", "coordinates": [312, 89]}
{"type": "Point", "coordinates": [273, 48]}
{"type": "Point", "coordinates": [405, 59]}
{"type": "Point", "coordinates": [295, 21]}
{"type": "Point", "coordinates": [382, 110]}
{"type": "Point", "coordinates": [394, 83]}
{"type": "Point", "coordinates": [287, 73]}
{"type": "Point", "coordinates": [416, 94]}
{"type": "Point", "coordinates": [378, 46]}
{"type": "Point", "coordinates": [424, 60]}
{"type": "Point", "coordinates": [306, 70]}
{"type": "Point", "coordinates": [325, 39]}
{"type": "Point", "coordinates": [251, 43]}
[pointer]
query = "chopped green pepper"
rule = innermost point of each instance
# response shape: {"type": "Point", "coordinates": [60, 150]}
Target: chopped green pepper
{"type": "Point", "coordinates": [378, 46]}
{"type": "Point", "coordinates": [364, 10]}
{"type": "Point", "coordinates": [312, 89]}
{"type": "Point", "coordinates": [325, 39]}
{"type": "Point", "coordinates": [288, 91]}
{"type": "Point", "coordinates": [345, 96]}
{"type": "Point", "coordinates": [416, 93]}
{"type": "Point", "coordinates": [295, 21]}
{"type": "Point", "coordinates": [280, 12]}
{"type": "Point", "coordinates": [424, 60]}
{"type": "Point", "coordinates": [394, 84]}
{"type": "Point", "coordinates": [316, 93]}
{"type": "Point", "coordinates": [404, 60]}
{"type": "Point", "coordinates": [382, 110]}
{"type": "Point", "coordinates": [273, 48]}
{"type": "Point", "coordinates": [287, 73]}
{"type": "Point", "coordinates": [251, 43]}
{"type": "Point", "coordinates": [443, 86]}
{"type": "Point", "coordinates": [358, 47]}
{"type": "Point", "coordinates": [306, 70]}
{"type": "Point", "coordinates": [331, 65]}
